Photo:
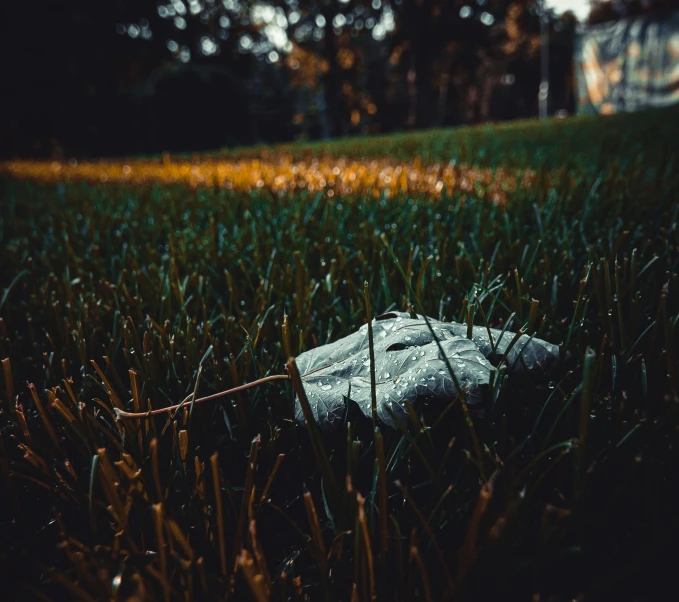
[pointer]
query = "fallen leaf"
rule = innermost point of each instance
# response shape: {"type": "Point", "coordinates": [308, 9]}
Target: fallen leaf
{"type": "Point", "coordinates": [409, 366]}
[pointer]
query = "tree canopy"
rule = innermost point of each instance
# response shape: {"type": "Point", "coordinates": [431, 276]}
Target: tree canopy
{"type": "Point", "coordinates": [145, 76]}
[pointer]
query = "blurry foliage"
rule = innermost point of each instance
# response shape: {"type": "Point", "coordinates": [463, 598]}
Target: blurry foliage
{"type": "Point", "coordinates": [243, 71]}
{"type": "Point", "coordinates": [607, 10]}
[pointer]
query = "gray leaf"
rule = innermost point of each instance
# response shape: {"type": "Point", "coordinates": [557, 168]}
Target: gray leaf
{"type": "Point", "coordinates": [408, 366]}
{"type": "Point", "coordinates": [539, 357]}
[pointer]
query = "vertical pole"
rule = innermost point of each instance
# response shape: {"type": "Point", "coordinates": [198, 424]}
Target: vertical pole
{"type": "Point", "coordinates": [543, 94]}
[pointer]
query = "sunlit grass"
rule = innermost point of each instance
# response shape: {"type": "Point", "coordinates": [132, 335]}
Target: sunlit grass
{"type": "Point", "coordinates": [281, 175]}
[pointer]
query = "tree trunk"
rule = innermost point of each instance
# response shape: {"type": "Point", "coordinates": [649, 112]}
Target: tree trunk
{"type": "Point", "coordinates": [417, 15]}
{"type": "Point", "coordinates": [333, 78]}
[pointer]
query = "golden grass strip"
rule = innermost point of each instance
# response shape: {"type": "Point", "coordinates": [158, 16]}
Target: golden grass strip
{"type": "Point", "coordinates": [282, 174]}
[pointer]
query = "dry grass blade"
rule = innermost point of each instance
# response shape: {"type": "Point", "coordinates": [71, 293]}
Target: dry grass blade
{"type": "Point", "coordinates": [287, 347]}
{"type": "Point", "coordinates": [272, 476]}
{"type": "Point", "coordinates": [158, 522]}
{"type": "Point", "coordinates": [109, 479]}
{"type": "Point", "coordinates": [221, 534]}
{"type": "Point", "coordinates": [134, 386]}
{"type": "Point", "coordinates": [467, 556]}
{"type": "Point", "coordinates": [9, 384]}
{"type": "Point", "coordinates": [382, 495]}
{"type": "Point", "coordinates": [317, 543]}
{"type": "Point", "coordinates": [180, 538]}
{"type": "Point", "coordinates": [417, 558]}
{"type": "Point", "coordinates": [45, 419]}
{"type": "Point", "coordinates": [113, 396]}
{"type": "Point", "coordinates": [366, 542]}
{"type": "Point", "coordinates": [260, 558]}
{"type": "Point", "coordinates": [77, 592]}
{"type": "Point", "coordinates": [21, 419]}
{"type": "Point", "coordinates": [246, 508]}
{"type": "Point", "coordinates": [4, 469]}
{"type": "Point", "coordinates": [432, 537]}
{"type": "Point", "coordinates": [183, 437]}
{"type": "Point", "coordinates": [155, 470]}
{"type": "Point", "coordinates": [475, 440]}
{"type": "Point", "coordinates": [255, 580]}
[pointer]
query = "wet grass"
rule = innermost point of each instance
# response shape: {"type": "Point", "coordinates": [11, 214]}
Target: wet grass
{"type": "Point", "coordinates": [581, 143]}
{"type": "Point", "coordinates": [137, 298]}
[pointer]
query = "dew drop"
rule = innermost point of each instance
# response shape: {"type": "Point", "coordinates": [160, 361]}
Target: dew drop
{"type": "Point", "coordinates": [326, 387]}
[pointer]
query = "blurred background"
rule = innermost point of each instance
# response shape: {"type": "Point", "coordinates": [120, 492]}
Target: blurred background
{"type": "Point", "coordinates": [121, 77]}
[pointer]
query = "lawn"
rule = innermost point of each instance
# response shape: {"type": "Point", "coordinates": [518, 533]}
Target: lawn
{"type": "Point", "coordinates": [136, 295]}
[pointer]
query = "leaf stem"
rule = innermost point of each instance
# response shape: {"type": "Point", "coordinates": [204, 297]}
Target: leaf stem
{"type": "Point", "coordinates": [121, 415]}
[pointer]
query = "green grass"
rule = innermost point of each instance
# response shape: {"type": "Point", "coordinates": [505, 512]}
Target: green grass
{"type": "Point", "coordinates": [583, 142]}
{"type": "Point", "coordinates": [138, 298]}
